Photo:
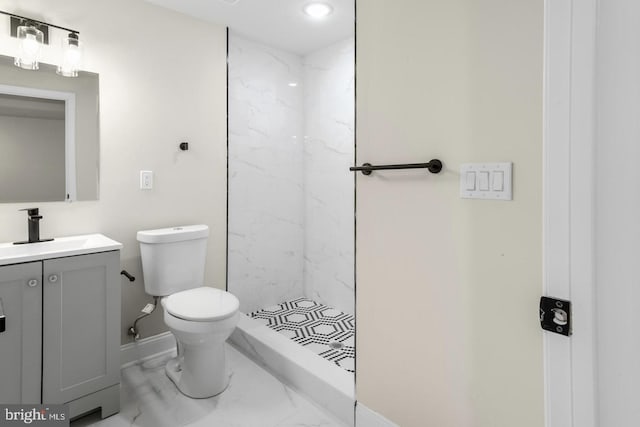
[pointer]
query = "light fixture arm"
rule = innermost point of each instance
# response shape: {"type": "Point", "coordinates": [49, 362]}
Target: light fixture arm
{"type": "Point", "coordinates": [24, 18]}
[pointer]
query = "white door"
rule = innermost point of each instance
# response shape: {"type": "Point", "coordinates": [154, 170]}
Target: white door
{"type": "Point", "coordinates": [617, 213]}
{"type": "Point", "coordinates": [592, 210]}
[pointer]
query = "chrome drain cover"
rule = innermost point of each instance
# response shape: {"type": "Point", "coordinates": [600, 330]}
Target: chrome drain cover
{"type": "Point", "coordinates": [336, 345]}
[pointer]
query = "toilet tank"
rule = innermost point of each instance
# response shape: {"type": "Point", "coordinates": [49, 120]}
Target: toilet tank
{"type": "Point", "coordinates": [173, 259]}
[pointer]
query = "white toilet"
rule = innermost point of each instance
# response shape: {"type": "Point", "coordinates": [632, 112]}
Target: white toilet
{"type": "Point", "coordinates": [200, 317]}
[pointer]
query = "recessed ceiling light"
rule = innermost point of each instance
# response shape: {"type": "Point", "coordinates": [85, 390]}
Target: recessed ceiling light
{"type": "Point", "coordinates": [293, 84]}
{"type": "Point", "coordinates": [318, 10]}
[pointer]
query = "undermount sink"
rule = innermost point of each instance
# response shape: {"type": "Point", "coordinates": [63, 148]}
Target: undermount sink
{"type": "Point", "coordinates": [60, 247]}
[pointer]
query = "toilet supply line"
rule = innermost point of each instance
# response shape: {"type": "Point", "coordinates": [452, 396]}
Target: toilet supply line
{"type": "Point", "coordinates": [146, 311]}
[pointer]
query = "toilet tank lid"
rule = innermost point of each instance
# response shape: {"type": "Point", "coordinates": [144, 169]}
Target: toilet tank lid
{"type": "Point", "coordinates": [173, 234]}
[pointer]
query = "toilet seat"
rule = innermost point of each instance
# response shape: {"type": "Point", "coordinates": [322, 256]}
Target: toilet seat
{"type": "Point", "coordinates": [203, 304]}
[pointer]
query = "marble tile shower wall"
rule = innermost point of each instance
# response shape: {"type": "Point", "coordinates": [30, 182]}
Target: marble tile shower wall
{"type": "Point", "coordinates": [290, 191]}
{"type": "Point", "coordinates": [266, 199]}
{"type": "Point", "coordinates": [329, 96]}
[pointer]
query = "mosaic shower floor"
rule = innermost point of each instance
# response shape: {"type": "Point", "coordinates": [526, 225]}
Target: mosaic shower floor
{"type": "Point", "coordinates": [320, 328]}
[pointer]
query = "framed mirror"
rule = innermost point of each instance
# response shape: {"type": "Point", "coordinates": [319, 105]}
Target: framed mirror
{"type": "Point", "coordinates": [49, 135]}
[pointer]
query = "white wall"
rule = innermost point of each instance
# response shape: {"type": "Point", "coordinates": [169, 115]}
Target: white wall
{"type": "Point", "coordinates": [290, 190]}
{"type": "Point", "coordinates": [266, 199]}
{"type": "Point", "coordinates": [162, 81]}
{"type": "Point", "coordinates": [447, 289]}
{"type": "Point", "coordinates": [329, 146]}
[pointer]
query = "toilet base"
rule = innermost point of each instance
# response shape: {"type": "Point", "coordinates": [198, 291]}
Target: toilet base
{"type": "Point", "coordinates": [210, 377]}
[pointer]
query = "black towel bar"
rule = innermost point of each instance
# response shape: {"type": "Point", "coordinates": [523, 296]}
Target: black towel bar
{"type": "Point", "coordinates": [434, 166]}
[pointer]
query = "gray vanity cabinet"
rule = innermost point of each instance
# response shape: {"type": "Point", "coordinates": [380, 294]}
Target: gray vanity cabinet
{"type": "Point", "coordinates": [62, 337]}
{"type": "Point", "coordinates": [81, 331]}
{"type": "Point", "coordinates": [20, 342]}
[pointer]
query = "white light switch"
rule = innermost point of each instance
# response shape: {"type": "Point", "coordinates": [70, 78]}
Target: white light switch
{"type": "Point", "coordinates": [489, 181]}
{"type": "Point", "coordinates": [498, 181]}
{"type": "Point", "coordinates": [146, 180]}
{"type": "Point", "coordinates": [471, 181]}
{"type": "Point", "coordinates": [483, 181]}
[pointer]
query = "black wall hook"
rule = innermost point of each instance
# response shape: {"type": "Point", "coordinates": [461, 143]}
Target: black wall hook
{"type": "Point", "coordinates": [184, 146]}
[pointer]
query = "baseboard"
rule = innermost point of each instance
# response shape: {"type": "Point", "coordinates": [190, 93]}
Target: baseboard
{"type": "Point", "coordinates": [366, 417]}
{"type": "Point", "coordinates": [146, 348]}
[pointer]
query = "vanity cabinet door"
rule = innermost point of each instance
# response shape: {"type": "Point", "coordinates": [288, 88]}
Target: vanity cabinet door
{"type": "Point", "coordinates": [20, 344]}
{"type": "Point", "coordinates": [81, 328]}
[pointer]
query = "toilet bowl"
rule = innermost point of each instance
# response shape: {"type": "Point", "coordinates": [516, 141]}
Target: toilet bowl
{"type": "Point", "coordinates": [200, 317]}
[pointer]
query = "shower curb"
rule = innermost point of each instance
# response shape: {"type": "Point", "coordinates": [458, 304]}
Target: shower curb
{"type": "Point", "coordinates": [326, 384]}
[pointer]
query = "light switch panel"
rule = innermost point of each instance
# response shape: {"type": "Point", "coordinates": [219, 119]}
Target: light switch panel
{"type": "Point", "coordinates": [146, 180]}
{"type": "Point", "coordinates": [489, 181]}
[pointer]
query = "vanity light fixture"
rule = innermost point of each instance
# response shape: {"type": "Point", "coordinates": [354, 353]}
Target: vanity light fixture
{"type": "Point", "coordinates": [30, 40]}
{"type": "Point", "coordinates": [71, 56]}
{"type": "Point", "coordinates": [318, 10]}
{"type": "Point", "coordinates": [32, 34]}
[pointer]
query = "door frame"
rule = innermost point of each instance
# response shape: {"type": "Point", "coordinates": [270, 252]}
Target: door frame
{"type": "Point", "coordinates": [570, 370]}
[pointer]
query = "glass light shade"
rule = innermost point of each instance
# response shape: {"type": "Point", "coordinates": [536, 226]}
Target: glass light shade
{"type": "Point", "coordinates": [30, 40]}
{"type": "Point", "coordinates": [71, 60]}
{"type": "Point", "coordinates": [318, 10]}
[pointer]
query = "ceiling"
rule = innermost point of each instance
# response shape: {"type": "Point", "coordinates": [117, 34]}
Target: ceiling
{"type": "Point", "coordinates": [279, 23]}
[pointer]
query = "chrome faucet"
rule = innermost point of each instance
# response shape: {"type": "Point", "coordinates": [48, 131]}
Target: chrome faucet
{"type": "Point", "coordinates": [34, 227]}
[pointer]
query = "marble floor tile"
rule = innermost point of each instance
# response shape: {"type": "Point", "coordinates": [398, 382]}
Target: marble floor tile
{"type": "Point", "coordinates": [254, 398]}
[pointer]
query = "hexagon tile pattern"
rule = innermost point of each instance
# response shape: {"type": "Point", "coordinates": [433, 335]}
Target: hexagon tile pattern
{"type": "Point", "coordinates": [324, 330]}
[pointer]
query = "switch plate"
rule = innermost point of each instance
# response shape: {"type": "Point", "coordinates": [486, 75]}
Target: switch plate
{"type": "Point", "coordinates": [146, 180]}
{"type": "Point", "coordinates": [493, 181]}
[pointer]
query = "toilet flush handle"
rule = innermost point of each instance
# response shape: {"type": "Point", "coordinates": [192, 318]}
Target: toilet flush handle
{"type": "Point", "coordinates": [128, 275]}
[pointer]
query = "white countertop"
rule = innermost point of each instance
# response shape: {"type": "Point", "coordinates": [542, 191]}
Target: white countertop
{"type": "Point", "coordinates": [58, 248]}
